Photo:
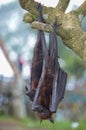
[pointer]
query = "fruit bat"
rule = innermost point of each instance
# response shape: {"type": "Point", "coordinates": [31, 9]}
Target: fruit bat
{"type": "Point", "coordinates": [48, 80]}
{"type": "Point", "coordinates": [37, 61]}
{"type": "Point", "coordinates": [36, 68]}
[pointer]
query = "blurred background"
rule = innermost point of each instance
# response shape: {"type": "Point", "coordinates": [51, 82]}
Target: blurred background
{"type": "Point", "coordinates": [17, 40]}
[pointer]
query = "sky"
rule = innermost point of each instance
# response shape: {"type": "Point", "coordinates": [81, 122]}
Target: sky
{"type": "Point", "coordinates": [6, 1]}
{"type": "Point", "coordinates": [4, 65]}
{"type": "Point", "coordinates": [46, 2]}
{"type": "Point", "coordinates": [54, 2]}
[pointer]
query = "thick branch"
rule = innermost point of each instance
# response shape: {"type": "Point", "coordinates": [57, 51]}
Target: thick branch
{"type": "Point", "coordinates": [15, 70]}
{"type": "Point", "coordinates": [70, 31]}
{"type": "Point", "coordinates": [41, 26]}
{"type": "Point", "coordinates": [48, 13]}
{"type": "Point", "coordinates": [62, 5]}
{"type": "Point", "coordinates": [28, 18]}
{"type": "Point", "coordinates": [81, 10]}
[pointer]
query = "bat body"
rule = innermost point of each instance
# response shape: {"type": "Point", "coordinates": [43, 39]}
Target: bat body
{"type": "Point", "coordinates": [43, 96]}
{"type": "Point", "coordinates": [36, 67]}
{"type": "Point", "coordinates": [48, 80]}
{"type": "Point", "coordinates": [37, 63]}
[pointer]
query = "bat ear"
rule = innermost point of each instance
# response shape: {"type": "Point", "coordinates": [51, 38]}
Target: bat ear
{"type": "Point", "coordinates": [51, 120]}
{"type": "Point", "coordinates": [41, 121]}
{"type": "Point", "coordinates": [26, 88]}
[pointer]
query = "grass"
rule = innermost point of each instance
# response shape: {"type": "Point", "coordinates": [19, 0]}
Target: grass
{"type": "Point", "coordinates": [82, 125]}
{"type": "Point", "coordinates": [45, 125]}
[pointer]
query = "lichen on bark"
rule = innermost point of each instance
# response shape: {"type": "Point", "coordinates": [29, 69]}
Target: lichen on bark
{"type": "Point", "coordinates": [70, 31]}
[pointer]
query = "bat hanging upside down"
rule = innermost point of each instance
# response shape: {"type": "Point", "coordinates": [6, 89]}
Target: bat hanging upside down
{"type": "Point", "coordinates": [48, 80]}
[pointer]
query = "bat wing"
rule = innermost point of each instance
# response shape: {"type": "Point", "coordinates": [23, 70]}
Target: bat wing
{"type": "Point", "coordinates": [53, 50]}
{"type": "Point", "coordinates": [37, 61]}
{"type": "Point", "coordinates": [58, 89]}
{"type": "Point", "coordinates": [59, 81]}
{"type": "Point", "coordinates": [61, 86]}
{"type": "Point", "coordinates": [44, 69]}
{"type": "Point", "coordinates": [36, 68]}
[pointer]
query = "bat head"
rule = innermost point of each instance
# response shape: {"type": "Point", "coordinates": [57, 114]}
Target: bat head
{"type": "Point", "coordinates": [50, 119]}
{"type": "Point", "coordinates": [43, 113]}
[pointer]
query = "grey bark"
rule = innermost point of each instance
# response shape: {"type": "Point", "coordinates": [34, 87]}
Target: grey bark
{"type": "Point", "coordinates": [17, 103]}
{"type": "Point", "coordinates": [71, 32]}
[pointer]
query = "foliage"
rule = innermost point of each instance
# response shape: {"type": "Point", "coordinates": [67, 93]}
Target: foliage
{"type": "Point", "coordinates": [18, 41]}
{"type": "Point", "coordinates": [46, 125]}
{"type": "Point", "coordinates": [76, 67]}
{"type": "Point", "coordinates": [73, 64]}
{"type": "Point", "coordinates": [32, 123]}
{"type": "Point", "coordinates": [82, 126]}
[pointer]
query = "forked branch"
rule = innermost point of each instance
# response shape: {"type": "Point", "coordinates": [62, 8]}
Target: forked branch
{"type": "Point", "coordinates": [71, 32]}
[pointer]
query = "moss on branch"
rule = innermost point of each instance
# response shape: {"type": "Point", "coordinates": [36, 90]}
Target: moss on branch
{"type": "Point", "coordinates": [70, 30]}
{"type": "Point", "coordinates": [62, 5]}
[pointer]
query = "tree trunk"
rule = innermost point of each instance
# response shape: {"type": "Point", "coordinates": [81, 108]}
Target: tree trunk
{"type": "Point", "coordinates": [19, 109]}
{"type": "Point", "coordinates": [17, 103]}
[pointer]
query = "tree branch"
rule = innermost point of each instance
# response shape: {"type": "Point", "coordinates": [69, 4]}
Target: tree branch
{"type": "Point", "coordinates": [15, 70]}
{"type": "Point", "coordinates": [62, 5]}
{"type": "Point", "coordinates": [28, 18]}
{"type": "Point", "coordinates": [49, 13]}
{"type": "Point", "coordinates": [81, 10]}
{"type": "Point", "coordinates": [41, 26]}
{"type": "Point", "coordinates": [70, 30]}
